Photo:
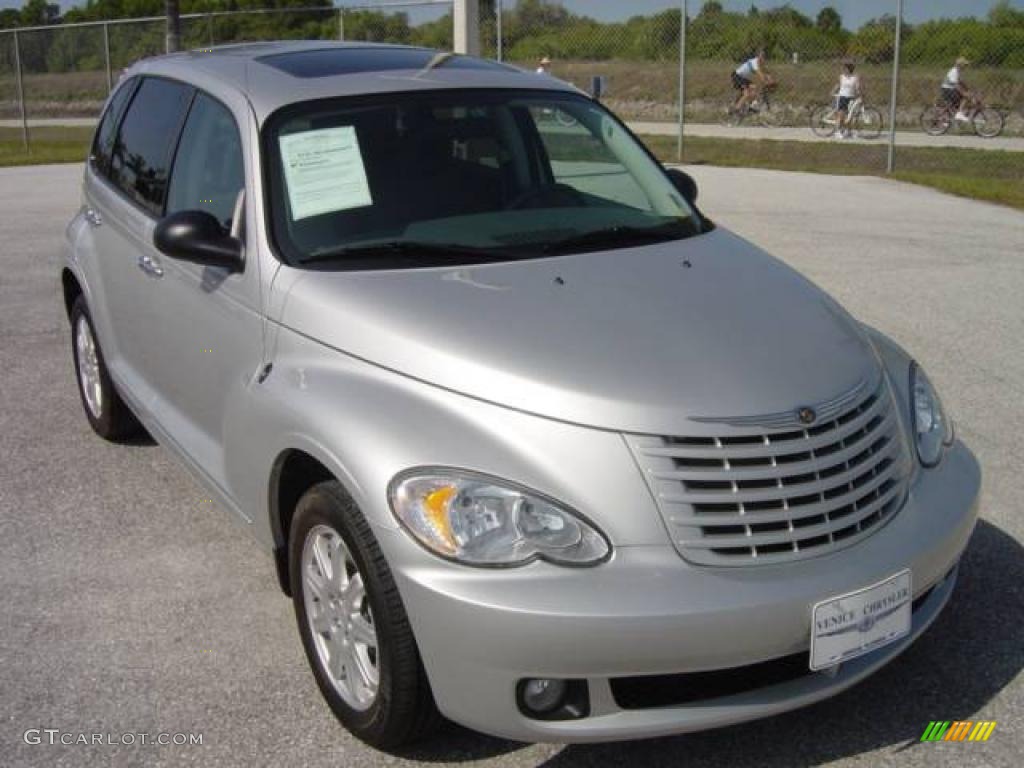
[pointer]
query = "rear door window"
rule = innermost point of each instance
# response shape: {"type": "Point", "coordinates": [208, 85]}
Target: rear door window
{"type": "Point", "coordinates": [103, 144]}
{"type": "Point", "coordinates": [141, 158]}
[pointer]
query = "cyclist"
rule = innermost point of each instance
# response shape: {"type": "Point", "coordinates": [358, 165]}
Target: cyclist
{"type": "Point", "coordinates": [747, 78]}
{"type": "Point", "coordinates": [849, 89]}
{"type": "Point", "coordinates": [955, 93]}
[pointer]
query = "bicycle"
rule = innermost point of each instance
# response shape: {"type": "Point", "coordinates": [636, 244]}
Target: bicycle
{"type": "Point", "coordinates": [865, 122]}
{"type": "Point", "coordinates": [937, 119]}
{"type": "Point", "coordinates": [760, 106]}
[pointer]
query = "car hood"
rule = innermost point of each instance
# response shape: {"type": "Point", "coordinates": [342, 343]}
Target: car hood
{"type": "Point", "coordinates": [637, 340]}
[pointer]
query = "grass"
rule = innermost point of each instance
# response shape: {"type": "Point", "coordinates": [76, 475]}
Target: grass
{"type": "Point", "coordinates": [47, 145]}
{"type": "Point", "coordinates": [992, 176]}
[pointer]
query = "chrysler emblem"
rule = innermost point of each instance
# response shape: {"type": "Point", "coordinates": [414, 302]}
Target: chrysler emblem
{"type": "Point", "coordinates": [806, 415]}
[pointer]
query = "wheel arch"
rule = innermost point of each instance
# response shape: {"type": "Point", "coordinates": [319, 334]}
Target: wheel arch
{"type": "Point", "coordinates": [71, 289]}
{"type": "Point", "coordinates": [294, 472]}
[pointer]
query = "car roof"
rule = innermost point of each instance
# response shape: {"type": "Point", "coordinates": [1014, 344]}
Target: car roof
{"type": "Point", "coordinates": [272, 75]}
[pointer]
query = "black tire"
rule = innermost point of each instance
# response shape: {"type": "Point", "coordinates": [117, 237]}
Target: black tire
{"type": "Point", "coordinates": [819, 126]}
{"type": "Point", "coordinates": [403, 710]}
{"type": "Point", "coordinates": [988, 122]}
{"type": "Point", "coordinates": [869, 123]}
{"type": "Point", "coordinates": [935, 121]}
{"type": "Point", "coordinates": [115, 421]}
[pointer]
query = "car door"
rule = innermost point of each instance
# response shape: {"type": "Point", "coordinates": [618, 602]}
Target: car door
{"type": "Point", "coordinates": [125, 187]}
{"type": "Point", "coordinates": [210, 318]}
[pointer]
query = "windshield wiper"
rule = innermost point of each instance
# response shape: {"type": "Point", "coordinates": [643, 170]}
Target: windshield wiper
{"type": "Point", "coordinates": [622, 235]}
{"type": "Point", "coordinates": [412, 252]}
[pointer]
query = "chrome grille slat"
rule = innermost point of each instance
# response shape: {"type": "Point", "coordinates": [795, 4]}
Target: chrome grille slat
{"type": "Point", "coordinates": [773, 469]}
{"type": "Point", "coordinates": [795, 514]}
{"type": "Point", "coordinates": [757, 490]}
{"type": "Point", "coordinates": [712, 541]}
{"type": "Point", "coordinates": [776, 447]}
{"type": "Point", "coordinates": [827, 485]}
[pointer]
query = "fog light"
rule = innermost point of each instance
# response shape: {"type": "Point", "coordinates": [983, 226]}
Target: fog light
{"type": "Point", "coordinates": [543, 695]}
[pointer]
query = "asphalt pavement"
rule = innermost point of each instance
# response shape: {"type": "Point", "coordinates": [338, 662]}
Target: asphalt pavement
{"type": "Point", "coordinates": [131, 604]}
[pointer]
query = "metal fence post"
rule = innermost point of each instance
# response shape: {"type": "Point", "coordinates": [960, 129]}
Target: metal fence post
{"type": "Point", "coordinates": [106, 56]}
{"type": "Point", "coordinates": [21, 92]}
{"type": "Point", "coordinates": [498, 32]}
{"type": "Point", "coordinates": [682, 79]}
{"type": "Point", "coordinates": [890, 163]}
{"type": "Point", "coordinates": [341, 24]}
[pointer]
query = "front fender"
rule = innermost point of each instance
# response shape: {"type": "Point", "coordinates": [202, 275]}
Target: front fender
{"type": "Point", "coordinates": [366, 424]}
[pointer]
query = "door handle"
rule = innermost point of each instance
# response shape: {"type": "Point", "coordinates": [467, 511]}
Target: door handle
{"type": "Point", "coordinates": [150, 266]}
{"type": "Point", "coordinates": [92, 217]}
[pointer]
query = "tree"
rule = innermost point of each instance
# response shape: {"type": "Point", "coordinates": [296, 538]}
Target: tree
{"type": "Point", "coordinates": [829, 20]}
{"type": "Point", "coordinates": [712, 8]}
{"type": "Point", "coordinates": [36, 13]}
{"type": "Point", "coordinates": [1004, 16]}
{"type": "Point", "coordinates": [9, 18]}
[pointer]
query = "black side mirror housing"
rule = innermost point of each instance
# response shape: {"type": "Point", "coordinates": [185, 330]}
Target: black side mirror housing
{"type": "Point", "coordinates": [198, 237]}
{"type": "Point", "coordinates": [684, 184]}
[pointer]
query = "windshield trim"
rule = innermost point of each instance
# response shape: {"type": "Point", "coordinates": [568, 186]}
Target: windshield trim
{"type": "Point", "coordinates": [268, 167]}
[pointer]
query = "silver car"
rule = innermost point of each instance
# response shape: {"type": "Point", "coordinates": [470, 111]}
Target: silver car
{"type": "Point", "coordinates": [535, 445]}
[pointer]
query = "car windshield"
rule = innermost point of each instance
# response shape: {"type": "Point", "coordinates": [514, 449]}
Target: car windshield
{"type": "Point", "coordinates": [461, 177]}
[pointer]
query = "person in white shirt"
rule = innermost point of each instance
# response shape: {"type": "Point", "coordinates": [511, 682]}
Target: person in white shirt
{"type": "Point", "coordinates": [849, 89]}
{"type": "Point", "coordinates": [955, 93]}
{"type": "Point", "coordinates": [544, 67]}
{"type": "Point", "coordinates": [748, 77]}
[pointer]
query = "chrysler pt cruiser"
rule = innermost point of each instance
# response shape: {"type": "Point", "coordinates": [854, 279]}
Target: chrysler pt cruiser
{"type": "Point", "coordinates": [534, 444]}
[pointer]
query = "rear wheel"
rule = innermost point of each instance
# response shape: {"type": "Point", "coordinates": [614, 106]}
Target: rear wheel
{"type": "Point", "coordinates": [353, 625]}
{"type": "Point", "coordinates": [988, 122]}
{"type": "Point", "coordinates": [869, 123]}
{"type": "Point", "coordinates": [935, 121]}
{"type": "Point", "coordinates": [824, 121]}
{"type": "Point", "coordinates": [107, 413]}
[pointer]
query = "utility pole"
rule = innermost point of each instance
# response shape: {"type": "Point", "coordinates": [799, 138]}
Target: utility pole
{"type": "Point", "coordinates": [466, 17]}
{"type": "Point", "coordinates": [173, 26]}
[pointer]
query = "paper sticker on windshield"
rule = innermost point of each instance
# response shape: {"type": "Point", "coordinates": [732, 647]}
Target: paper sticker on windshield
{"type": "Point", "coordinates": [324, 171]}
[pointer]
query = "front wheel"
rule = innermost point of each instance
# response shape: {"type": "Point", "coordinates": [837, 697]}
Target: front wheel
{"type": "Point", "coordinates": [769, 115]}
{"type": "Point", "coordinates": [353, 625]}
{"type": "Point", "coordinates": [988, 122]}
{"type": "Point", "coordinates": [824, 121]}
{"type": "Point", "coordinates": [935, 121]}
{"type": "Point", "coordinates": [869, 123]}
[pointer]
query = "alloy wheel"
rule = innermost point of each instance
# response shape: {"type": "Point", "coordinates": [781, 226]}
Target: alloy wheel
{"type": "Point", "coordinates": [340, 619]}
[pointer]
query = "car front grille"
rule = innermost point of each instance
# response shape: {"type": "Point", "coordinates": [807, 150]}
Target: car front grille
{"type": "Point", "coordinates": [769, 489]}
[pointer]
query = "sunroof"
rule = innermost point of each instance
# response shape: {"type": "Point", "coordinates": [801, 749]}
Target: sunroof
{"type": "Point", "coordinates": [325, 62]}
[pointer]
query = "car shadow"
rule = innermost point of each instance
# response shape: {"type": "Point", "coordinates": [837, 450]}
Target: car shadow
{"type": "Point", "coordinates": [966, 658]}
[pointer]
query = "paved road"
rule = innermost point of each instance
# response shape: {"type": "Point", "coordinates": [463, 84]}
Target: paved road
{"type": "Point", "coordinates": [903, 138]}
{"type": "Point", "coordinates": [803, 133]}
{"type": "Point", "coordinates": [128, 604]}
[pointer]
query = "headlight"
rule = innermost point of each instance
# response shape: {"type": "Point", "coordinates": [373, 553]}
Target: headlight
{"type": "Point", "coordinates": [932, 430]}
{"type": "Point", "coordinates": [479, 520]}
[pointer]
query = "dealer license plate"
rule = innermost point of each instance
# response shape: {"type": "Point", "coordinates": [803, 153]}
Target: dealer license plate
{"type": "Point", "coordinates": [856, 623]}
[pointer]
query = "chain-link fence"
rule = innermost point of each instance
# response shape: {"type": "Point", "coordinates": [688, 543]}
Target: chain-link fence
{"type": "Point", "coordinates": [649, 64]}
{"type": "Point", "coordinates": [66, 70]}
{"type": "Point", "coordinates": [646, 65]}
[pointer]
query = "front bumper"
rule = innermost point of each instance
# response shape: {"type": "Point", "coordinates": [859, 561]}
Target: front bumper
{"type": "Point", "coordinates": [648, 612]}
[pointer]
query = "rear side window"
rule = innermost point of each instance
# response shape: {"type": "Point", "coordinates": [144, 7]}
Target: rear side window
{"type": "Point", "coordinates": [103, 144]}
{"type": "Point", "coordinates": [140, 161]}
{"type": "Point", "coordinates": [208, 168]}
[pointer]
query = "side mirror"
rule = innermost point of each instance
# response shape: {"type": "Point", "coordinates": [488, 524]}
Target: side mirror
{"type": "Point", "coordinates": [198, 237]}
{"type": "Point", "coordinates": [684, 184]}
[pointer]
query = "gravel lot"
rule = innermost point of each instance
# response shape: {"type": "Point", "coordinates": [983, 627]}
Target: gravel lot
{"type": "Point", "coordinates": [128, 604]}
